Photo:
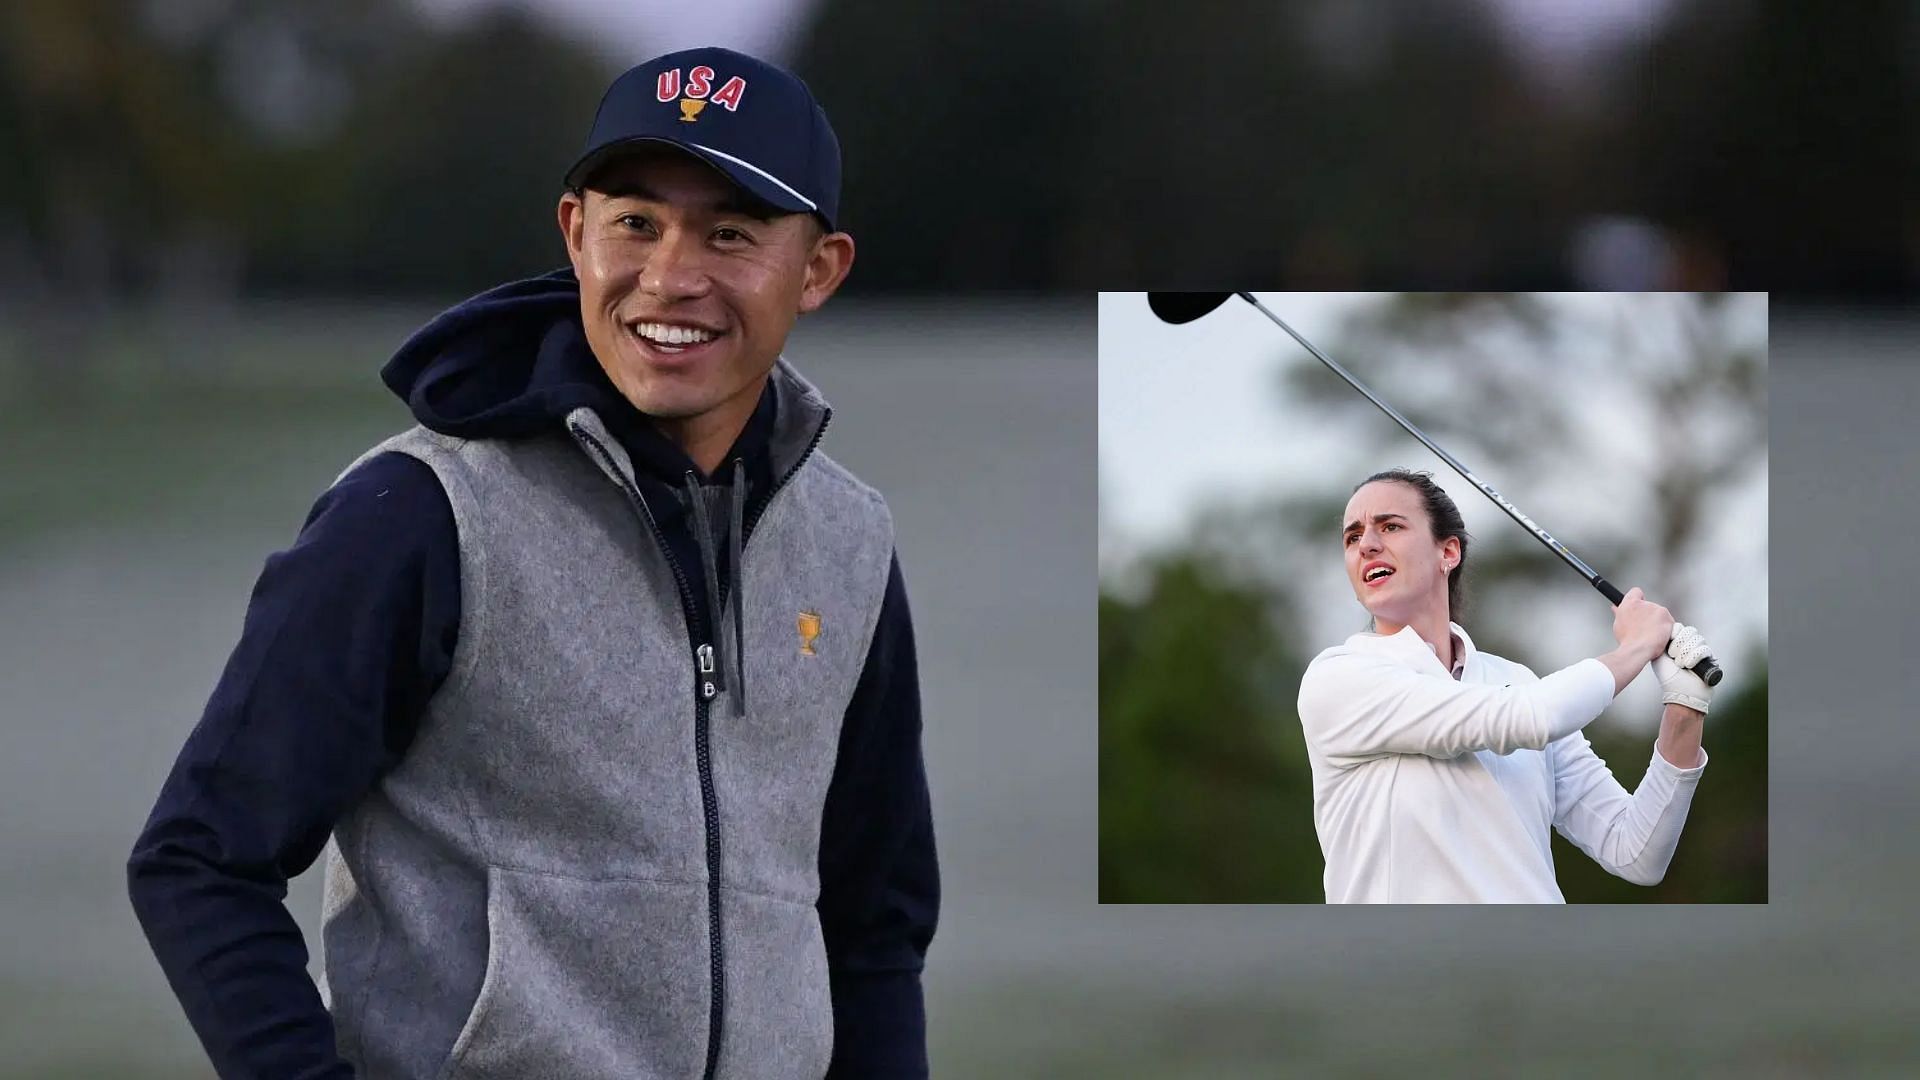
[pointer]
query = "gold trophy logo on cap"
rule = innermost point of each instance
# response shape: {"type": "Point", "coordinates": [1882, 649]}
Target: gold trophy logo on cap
{"type": "Point", "coordinates": [690, 109]}
{"type": "Point", "coordinates": [809, 625]}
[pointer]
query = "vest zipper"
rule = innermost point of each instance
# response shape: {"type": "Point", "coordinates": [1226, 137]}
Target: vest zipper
{"type": "Point", "coordinates": [708, 686]}
{"type": "Point", "coordinates": [709, 682]}
{"type": "Point", "coordinates": [702, 751]}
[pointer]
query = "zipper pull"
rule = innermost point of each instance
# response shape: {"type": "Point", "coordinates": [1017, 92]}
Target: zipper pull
{"type": "Point", "coordinates": [710, 683]}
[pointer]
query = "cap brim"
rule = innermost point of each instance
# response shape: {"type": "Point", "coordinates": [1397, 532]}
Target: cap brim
{"type": "Point", "coordinates": [757, 182]}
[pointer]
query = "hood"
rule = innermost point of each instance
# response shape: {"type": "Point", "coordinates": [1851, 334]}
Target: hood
{"type": "Point", "coordinates": [508, 362]}
{"type": "Point", "coordinates": [514, 362]}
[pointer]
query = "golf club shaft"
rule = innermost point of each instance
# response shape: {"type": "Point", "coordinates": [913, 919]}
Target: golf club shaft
{"type": "Point", "coordinates": [1707, 669]}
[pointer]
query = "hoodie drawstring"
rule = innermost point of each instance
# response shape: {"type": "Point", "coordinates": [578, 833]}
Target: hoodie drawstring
{"type": "Point", "coordinates": [709, 559]}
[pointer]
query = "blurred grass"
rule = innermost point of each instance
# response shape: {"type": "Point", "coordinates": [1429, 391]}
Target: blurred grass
{"type": "Point", "coordinates": [159, 421]}
{"type": "Point", "coordinates": [1480, 1023]}
{"type": "Point", "coordinates": [55, 1031]}
{"type": "Point", "coordinates": [1480, 1026]}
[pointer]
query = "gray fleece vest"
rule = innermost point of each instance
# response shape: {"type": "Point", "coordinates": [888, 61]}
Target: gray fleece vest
{"type": "Point", "coordinates": [527, 893]}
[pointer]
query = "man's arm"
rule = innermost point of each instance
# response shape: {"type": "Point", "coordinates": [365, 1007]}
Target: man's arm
{"type": "Point", "coordinates": [347, 634]}
{"type": "Point", "coordinates": [879, 878]}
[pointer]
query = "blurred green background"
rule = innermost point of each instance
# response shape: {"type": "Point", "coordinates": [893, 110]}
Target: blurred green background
{"type": "Point", "coordinates": [199, 148]}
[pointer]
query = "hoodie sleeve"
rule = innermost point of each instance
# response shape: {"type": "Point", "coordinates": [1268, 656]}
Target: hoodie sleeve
{"type": "Point", "coordinates": [347, 635]}
{"type": "Point", "coordinates": [879, 879]}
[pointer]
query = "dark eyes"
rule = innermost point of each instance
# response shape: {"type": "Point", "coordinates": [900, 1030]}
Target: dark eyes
{"type": "Point", "coordinates": [1352, 536]}
{"type": "Point", "coordinates": [724, 234]}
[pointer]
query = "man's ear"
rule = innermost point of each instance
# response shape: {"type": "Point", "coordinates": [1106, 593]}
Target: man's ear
{"type": "Point", "coordinates": [572, 215]}
{"type": "Point", "coordinates": [826, 268]}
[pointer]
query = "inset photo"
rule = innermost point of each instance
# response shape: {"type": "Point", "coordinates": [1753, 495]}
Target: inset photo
{"type": "Point", "coordinates": [1433, 598]}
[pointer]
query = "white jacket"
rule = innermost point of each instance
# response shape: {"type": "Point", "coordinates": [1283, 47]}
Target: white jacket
{"type": "Point", "coordinates": [1428, 789]}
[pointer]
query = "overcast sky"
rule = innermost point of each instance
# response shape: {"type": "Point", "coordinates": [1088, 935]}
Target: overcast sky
{"type": "Point", "coordinates": [1189, 415]}
{"type": "Point", "coordinates": [632, 30]}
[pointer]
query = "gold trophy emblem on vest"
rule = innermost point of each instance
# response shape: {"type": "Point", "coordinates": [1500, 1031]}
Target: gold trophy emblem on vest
{"type": "Point", "coordinates": [809, 625]}
{"type": "Point", "coordinates": [690, 109]}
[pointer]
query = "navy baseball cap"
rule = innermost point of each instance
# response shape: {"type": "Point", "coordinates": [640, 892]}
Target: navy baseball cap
{"type": "Point", "coordinates": [756, 123]}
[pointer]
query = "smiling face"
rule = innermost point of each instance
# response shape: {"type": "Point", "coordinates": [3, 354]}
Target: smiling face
{"type": "Point", "coordinates": [688, 288]}
{"type": "Point", "coordinates": [1397, 569]}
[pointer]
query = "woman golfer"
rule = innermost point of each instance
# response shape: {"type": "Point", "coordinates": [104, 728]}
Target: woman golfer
{"type": "Point", "coordinates": [1438, 769]}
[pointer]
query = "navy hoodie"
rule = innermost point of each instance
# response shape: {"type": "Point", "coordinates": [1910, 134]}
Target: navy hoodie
{"type": "Point", "coordinates": [351, 630]}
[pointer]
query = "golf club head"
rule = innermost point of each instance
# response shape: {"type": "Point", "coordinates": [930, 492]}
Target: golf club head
{"type": "Point", "coordinates": [1184, 307]}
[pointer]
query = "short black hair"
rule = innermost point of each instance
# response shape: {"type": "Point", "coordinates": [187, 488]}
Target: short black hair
{"type": "Point", "coordinates": [1443, 519]}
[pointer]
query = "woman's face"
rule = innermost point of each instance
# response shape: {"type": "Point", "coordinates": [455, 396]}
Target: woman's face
{"type": "Point", "coordinates": [1397, 569]}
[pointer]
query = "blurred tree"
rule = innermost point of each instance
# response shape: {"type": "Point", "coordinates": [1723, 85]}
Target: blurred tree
{"type": "Point", "coordinates": [1325, 143]}
{"type": "Point", "coordinates": [1746, 107]}
{"type": "Point", "coordinates": [201, 146]}
{"type": "Point", "coordinates": [195, 149]}
{"type": "Point", "coordinates": [444, 176]}
{"type": "Point", "coordinates": [149, 132]}
{"type": "Point", "coordinates": [961, 136]}
{"type": "Point", "coordinates": [1204, 795]}
{"type": "Point", "coordinates": [1317, 142]}
{"type": "Point", "coordinates": [111, 147]}
{"type": "Point", "coordinates": [1067, 144]}
{"type": "Point", "coordinates": [1673, 403]}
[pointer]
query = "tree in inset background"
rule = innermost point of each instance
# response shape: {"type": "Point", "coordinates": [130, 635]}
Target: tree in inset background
{"type": "Point", "coordinates": [1203, 789]}
{"type": "Point", "coordinates": [1640, 414]}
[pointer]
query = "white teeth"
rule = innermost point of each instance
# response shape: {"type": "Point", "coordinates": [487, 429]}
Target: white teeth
{"type": "Point", "coordinates": [1379, 572]}
{"type": "Point", "coordinates": [669, 334]}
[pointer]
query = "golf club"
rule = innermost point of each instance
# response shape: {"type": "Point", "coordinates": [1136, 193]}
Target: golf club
{"type": "Point", "coordinates": [1179, 307]}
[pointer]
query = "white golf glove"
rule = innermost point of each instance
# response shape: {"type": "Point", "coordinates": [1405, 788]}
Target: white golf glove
{"type": "Point", "coordinates": [1680, 686]}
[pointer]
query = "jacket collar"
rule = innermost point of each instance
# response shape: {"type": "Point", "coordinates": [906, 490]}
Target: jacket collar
{"type": "Point", "coordinates": [800, 416]}
{"type": "Point", "coordinates": [1410, 649]}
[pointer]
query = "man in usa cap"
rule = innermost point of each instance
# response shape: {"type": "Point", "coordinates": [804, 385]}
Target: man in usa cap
{"type": "Point", "coordinates": [596, 687]}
